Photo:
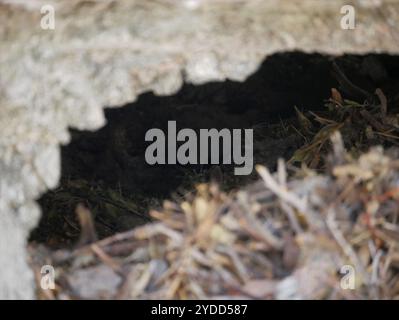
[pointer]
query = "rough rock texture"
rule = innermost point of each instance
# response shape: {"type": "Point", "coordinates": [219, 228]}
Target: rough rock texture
{"type": "Point", "coordinates": [105, 53]}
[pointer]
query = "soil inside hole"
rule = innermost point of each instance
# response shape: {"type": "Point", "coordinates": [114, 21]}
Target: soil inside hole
{"type": "Point", "coordinates": [107, 171]}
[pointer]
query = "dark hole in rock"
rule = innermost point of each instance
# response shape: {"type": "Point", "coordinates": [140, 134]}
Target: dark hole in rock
{"type": "Point", "coordinates": [106, 170]}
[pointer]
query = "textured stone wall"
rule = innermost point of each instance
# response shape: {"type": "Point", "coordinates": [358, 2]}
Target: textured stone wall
{"type": "Point", "coordinates": [105, 53]}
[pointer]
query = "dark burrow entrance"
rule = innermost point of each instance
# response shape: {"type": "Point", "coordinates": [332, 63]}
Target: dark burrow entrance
{"type": "Point", "coordinates": [106, 170]}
